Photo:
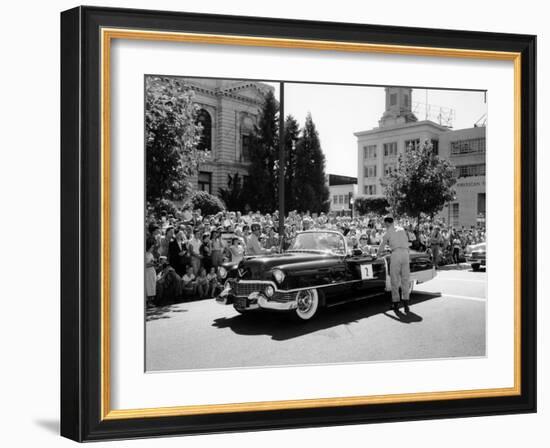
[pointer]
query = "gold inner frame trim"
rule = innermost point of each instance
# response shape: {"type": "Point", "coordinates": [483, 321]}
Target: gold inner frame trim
{"type": "Point", "coordinates": [107, 35]}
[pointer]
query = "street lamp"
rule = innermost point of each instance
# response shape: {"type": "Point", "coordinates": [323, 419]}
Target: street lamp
{"type": "Point", "coordinates": [351, 202]}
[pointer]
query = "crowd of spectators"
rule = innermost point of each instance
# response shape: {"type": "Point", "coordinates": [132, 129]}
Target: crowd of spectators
{"type": "Point", "coordinates": [184, 250]}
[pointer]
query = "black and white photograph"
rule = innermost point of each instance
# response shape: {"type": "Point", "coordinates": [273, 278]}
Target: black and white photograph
{"type": "Point", "coordinates": [293, 223]}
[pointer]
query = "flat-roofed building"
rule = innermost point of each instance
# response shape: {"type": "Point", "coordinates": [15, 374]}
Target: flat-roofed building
{"type": "Point", "coordinates": [342, 189]}
{"type": "Point", "coordinates": [399, 130]}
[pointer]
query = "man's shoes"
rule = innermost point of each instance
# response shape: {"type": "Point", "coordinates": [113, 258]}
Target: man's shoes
{"type": "Point", "coordinates": [406, 304]}
{"type": "Point", "coordinates": [395, 306]}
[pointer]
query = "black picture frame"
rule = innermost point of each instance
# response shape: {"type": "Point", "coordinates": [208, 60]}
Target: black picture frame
{"type": "Point", "coordinates": [81, 209]}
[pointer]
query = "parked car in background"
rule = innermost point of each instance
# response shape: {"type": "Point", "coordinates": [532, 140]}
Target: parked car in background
{"type": "Point", "coordinates": [318, 270]}
{"type": "Point", "coordinates": [476, 255]}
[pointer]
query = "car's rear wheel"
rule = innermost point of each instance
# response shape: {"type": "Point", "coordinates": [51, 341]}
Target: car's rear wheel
{"type": "Point", "coordinates": [308, 304]}
{"type": "Point", "coordinates": [475, 267]}
{"type": "Point", "coordinates": [412, 284]}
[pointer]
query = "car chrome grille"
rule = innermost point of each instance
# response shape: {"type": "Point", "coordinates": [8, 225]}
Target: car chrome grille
{"type": "Point", "coordinates": [241, 289]}
{"type": "Point", "coordinates": [244, 289]}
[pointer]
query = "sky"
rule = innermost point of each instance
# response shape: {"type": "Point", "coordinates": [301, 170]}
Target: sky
{"type": "Point", "coordinates": [339, 111]}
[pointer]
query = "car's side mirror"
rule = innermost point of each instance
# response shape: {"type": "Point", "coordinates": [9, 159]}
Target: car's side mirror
{"type": "Point", "coordinates": [357, 252]}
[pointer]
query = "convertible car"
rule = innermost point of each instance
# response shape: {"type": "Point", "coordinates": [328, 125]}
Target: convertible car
{"type": "Point", "coordinates": [318, 270]}
{"type": "Point", "coordinates": [476, 255]}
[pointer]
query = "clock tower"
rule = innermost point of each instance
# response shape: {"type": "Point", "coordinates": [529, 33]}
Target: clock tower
{"type": "Point", "coordinates": [398, 107]}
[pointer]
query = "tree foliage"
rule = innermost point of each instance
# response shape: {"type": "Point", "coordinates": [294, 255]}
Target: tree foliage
{"type": "Point", "coordinates": [234, 195]}
{"type": "Point", "coordinates": [371, 204]}
{"type": "Point", "coordinates": [208, 203]}
{"type": "Point", "coordinates": [422, 183]}
{"type": "Point", "coordinates": [172, 136]}
{"type": "Point", "coordinates": [310, 189]}
{"type": "Point", "coordinates": [292, 133]}
{"type": "Point", "coordinates": [261, 190]}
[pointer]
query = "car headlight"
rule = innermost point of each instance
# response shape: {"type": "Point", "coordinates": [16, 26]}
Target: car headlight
{"type": "Point", "coordinates": [279, 276]}
{"type": "Point", "coordinates": [269, 291]}
{"type": "Point", "coordinates": [222, 272]}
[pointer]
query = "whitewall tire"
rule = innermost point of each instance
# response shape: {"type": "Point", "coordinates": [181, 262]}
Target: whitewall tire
{"type": "Point", "coordinates": [308, 304]}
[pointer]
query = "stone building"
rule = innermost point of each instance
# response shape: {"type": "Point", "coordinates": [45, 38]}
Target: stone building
{"type": "Point", "coordinates": [398, 130]}
{"type": "Point", "coordinates": [342, 189]}
{"type": "Point", "coordinates": [228, 112]}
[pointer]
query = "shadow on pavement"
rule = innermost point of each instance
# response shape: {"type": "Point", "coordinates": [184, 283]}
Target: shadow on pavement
{"type": "Point", "coordinates": [281, 328]}
{"type": "Point", "coordinates": [162, 312]}
{"type": "Point", "coordinates": [405, 318]}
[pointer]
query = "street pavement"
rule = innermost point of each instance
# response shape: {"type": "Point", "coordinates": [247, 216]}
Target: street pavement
{"type": "Point", "coordinates": [447, 319]}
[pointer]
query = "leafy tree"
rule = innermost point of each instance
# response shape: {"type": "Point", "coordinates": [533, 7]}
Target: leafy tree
{"type": "Point", "coordinates": [163, 205]}
{"type": "Point", "coordinates": [233, 195]}
{"type": "Point", "coordinates": [311, 190]}
{"type": "Point", "coordinates": [172, 136]}
{"type": "Point", "coordinates": [371, 204]}
{"type": "Point", "coordinates": [292, 131]}
{"type": "Point", "coordinates": [422, 183]}
{"type": "Point", "coordinates": [261, 190]}
{"type": "Point", "coordinates": [208, 203]}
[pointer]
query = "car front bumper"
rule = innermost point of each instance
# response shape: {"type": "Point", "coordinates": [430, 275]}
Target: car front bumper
{"type": "Point", "coordinates": [476, 260]}
{"type": "Point", "coordinates": [255, 301]}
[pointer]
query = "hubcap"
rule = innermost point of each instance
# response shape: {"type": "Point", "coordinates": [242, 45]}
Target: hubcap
{"type": "Point", "coordinates": [305, 302]}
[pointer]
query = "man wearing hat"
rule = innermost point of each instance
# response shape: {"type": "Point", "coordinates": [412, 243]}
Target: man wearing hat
{"type": "Point", "coordinates": [396, 238]}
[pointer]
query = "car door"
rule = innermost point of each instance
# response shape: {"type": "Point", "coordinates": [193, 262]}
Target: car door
{"type": "Point", "coordinates": [367, 275]}
{"type": "Point", "coordinates": [338, 289]}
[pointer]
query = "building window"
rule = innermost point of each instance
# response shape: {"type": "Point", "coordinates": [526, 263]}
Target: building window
{"type": "Point", "coordinates": [390, 149]}
{"type": "Point", "coordinates": [454, 214]}
{"type": "Point", "coordinates": [370, 189]}
{"type": "Point", "coordinates": [435, 147]}
{"type": "Point", "coordinates": [370, 171]}
{"type": "Point", "coordinates": [481, 204]}
{"type": "Point", "coordinates": [470, 146]}
{"type": "Point", "coordinates": [205, 181]}
{"type": "Point", "coordinates": [470, 170]}
{"type": "Point", "coordinates": [412, 144]}
{"type": "Point", "coordinates": [369, 152]}
{"type": "Point", "coordinates": [245, 147]}
{"type": "Point", "coordinates": [335, 199]}
{"type": "Point", "coordinates": [389, 168]}
{"type": "Point", "coordinates": [205, 120]}
{"type": "Point", "coordinates": [406, 101]}
{"type": "Point", "coordinates": [393, 99]}
{"type": "Point", "coordinates": [341, 199]}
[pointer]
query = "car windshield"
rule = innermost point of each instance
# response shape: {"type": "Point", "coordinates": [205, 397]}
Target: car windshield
{"type": "Point", "coordinates": [318, 242]}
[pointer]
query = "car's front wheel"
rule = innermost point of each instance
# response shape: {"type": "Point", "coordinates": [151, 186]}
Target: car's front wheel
{"type": "Point", "coordinates": [240, 310]}
{"type": "Point", "coordinates": [475, 267]}
{"type": "Point", "coordinates": [307, 304]}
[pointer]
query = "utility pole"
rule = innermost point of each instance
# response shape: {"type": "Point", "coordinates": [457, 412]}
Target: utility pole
{"type": "Point", "coordinates": [281, 162]}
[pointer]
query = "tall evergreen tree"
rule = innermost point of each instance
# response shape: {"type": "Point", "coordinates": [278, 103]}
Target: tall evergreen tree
{"type": "Point", "coordinates": [233, 196]}
{"type": "Point", "coordinates": [311, 190]}
{"type": "Point", "coordinates": [292, 132]}
{"type": "Point", "coordinates": [261, 188]}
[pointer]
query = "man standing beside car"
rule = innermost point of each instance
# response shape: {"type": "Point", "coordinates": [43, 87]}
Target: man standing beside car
{"type": "Point", "coordinates": [396, 238]}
